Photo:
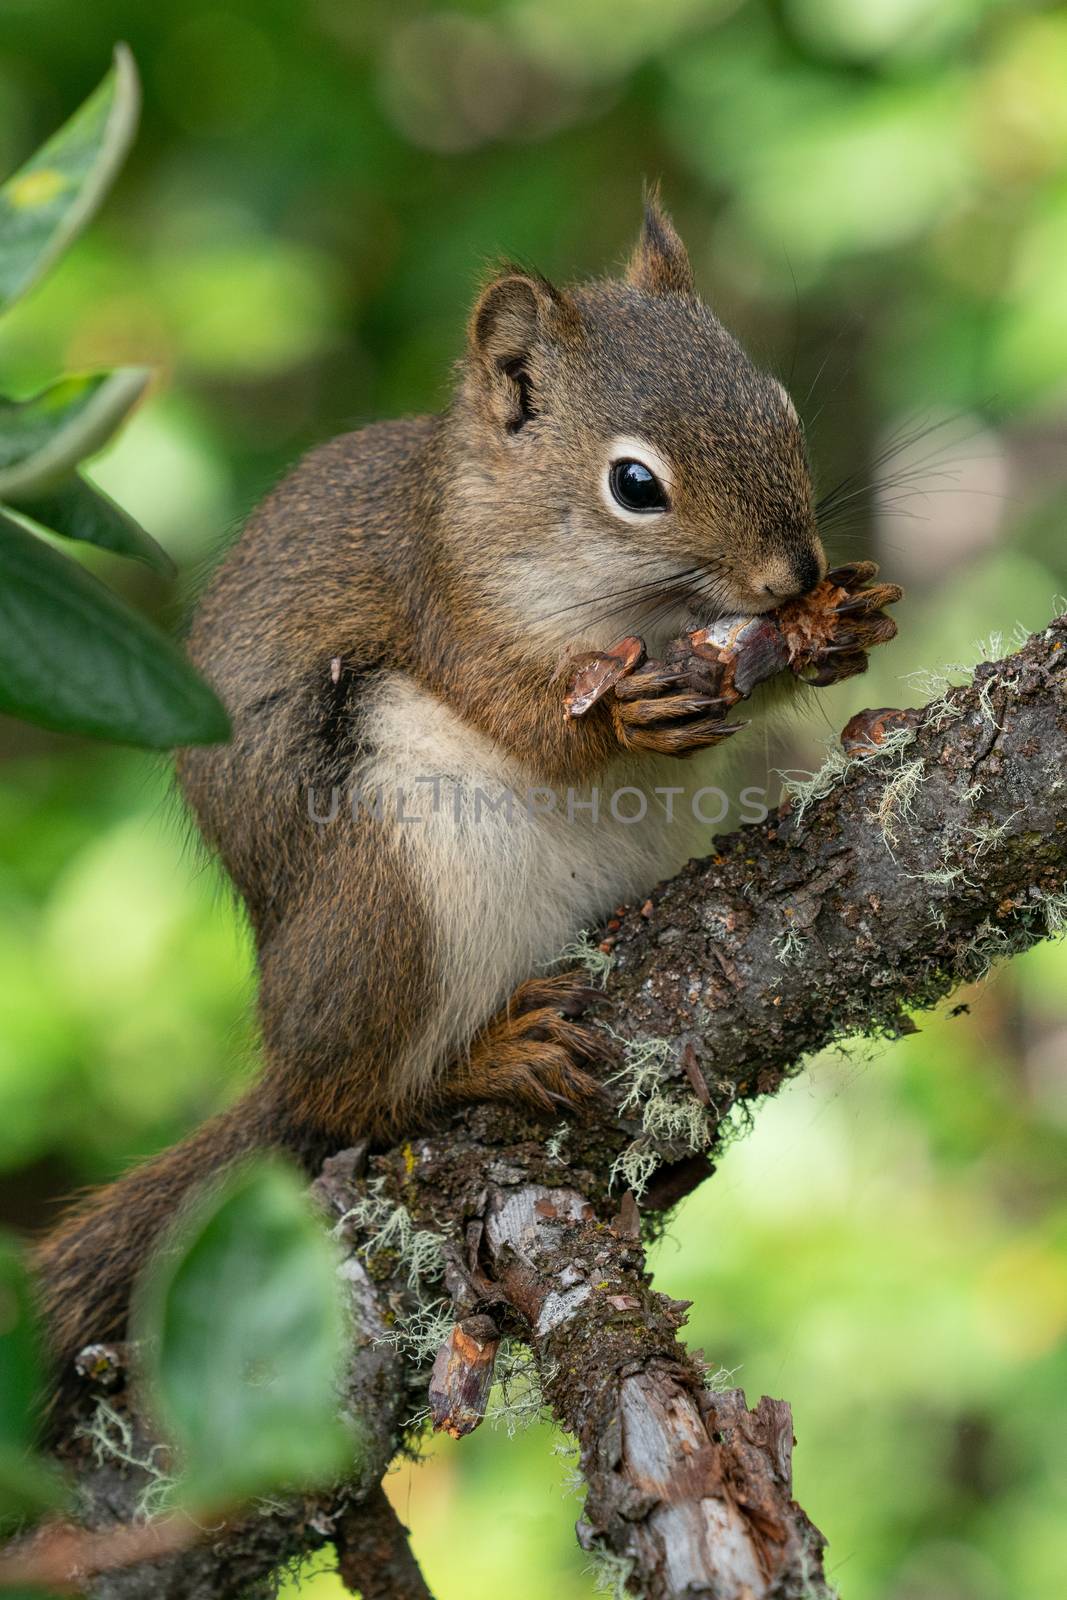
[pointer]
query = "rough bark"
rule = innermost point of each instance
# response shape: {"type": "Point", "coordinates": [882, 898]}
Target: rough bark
{"type": "Point", "coordinates": [373, 1554]}
{"type": "Point", "coordinates": [940, 849]}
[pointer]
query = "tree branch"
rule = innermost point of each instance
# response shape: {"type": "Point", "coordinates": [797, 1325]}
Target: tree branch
{"type": "Point", "coordinates": [939, 847]}
{"type": "Point", "coordinates": [939, 852]}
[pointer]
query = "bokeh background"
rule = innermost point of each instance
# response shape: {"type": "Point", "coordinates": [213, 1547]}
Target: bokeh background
{"type": "Point", "coordinates": [875, 197]}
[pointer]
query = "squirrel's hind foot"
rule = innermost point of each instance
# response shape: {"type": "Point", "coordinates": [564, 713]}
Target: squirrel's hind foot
{"type": "Point", "coordinates": [534, 1053]}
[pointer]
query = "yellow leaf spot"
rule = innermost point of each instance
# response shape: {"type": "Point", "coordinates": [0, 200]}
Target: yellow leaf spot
{"type": "Point", "coordinates": [36, 188]}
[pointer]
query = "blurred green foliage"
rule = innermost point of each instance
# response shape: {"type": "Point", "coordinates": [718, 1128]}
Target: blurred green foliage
{"type": "Point", "coordinates": [29, 1486]}
{"type": "Point", "coordinates": [242, 1321]}
{"type": "Point", "coordinates": [875, 196]}
{"type": "Point", "coordinates": [73, 656]}
{"type": "Point", "coordinates": [242, 1334]}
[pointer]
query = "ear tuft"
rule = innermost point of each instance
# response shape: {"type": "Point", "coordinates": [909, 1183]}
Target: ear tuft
{"type": "Point", "coordinates": [660, 263]}
{"type": "Point", "coordinates": [515, 314]}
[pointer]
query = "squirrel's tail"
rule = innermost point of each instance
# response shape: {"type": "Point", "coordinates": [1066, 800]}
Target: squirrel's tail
{"type": "Point", "coordinates": [87, 1266]}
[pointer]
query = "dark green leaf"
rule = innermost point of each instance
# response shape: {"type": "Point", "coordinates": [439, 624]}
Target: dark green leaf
{"type": "Point", "coordinates": [76, 658]}
{"type": "Point", "coordinates": [78, 510]}
{"type": "Point", "coordinates": [43, 439]}
{"type": "Point", "coordinates": [29, 1486]}
{"type": "Point", "coordinates": [21, 1380]}
{"type": "Point", "coordinates": [244, 1333]}
{"type": "Point", "coordinates": [49, 200]}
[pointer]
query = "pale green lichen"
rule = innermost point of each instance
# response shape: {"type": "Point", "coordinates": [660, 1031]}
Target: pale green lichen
{"type": "Point", "coordinates": [942, 877]}
{"type": "Point", "coordinates": [556, 1140]}
{"type": "Point", "coordinates": [677, 1119]}
{"type": "Point", "coordinates": [977, 840]}
{"type": "Point", "coordinates": [517, 1400]}
{"type": "Point", "coordinates": [635, 1167]}
{"type": "Point", "coordinates": [390, 1228]}
{"type": "Point", "coordinates": [610, 1573]}
{"type": "Point", "coordinates": [789, 946]}
{"type": "Point", "coordinates": [935, 683]}
{"type": "Point", "coordinates": [668, 1115]}
{"type": "Point", "coordinates": [644, 1065]}
{"type": "Point", "coordinates": [986, 835]}
{"type": "Point", "coordinates": [896, 806]}
{"type": "Point", "coordinates": [986, 946]}
{"type": "Point", "coordinates": [1053, 909]}
{"type": "Point", "coordinates": [111, 1436]}
{"type": "Point", "coordinates": [586, 952]}
{"type": "Point", "coordinates": [572, 1481]}
{"type": "Point", "coordinates": [721, 1379]}
{"type": "Point", "coordinates": [420, 1333]}
{"type": "Point", "coordinates": [804, 790]}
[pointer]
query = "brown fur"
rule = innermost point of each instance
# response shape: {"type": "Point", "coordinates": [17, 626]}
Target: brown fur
{"type": "Point", "coordinates": [425, 552]}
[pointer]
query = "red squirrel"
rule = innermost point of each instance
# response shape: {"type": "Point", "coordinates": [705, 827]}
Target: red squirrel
{"type": "Point", "coordinates": [397, 617]}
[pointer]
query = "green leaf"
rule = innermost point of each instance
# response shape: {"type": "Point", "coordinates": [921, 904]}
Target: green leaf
{"type": "Point", "coordinates": [21, 1373]}
{"type": "Point", "coordinates": [244, 1333]}
{"type": "Point", "coordinates": [76, 658]}
{"type": "Point", "coordinates": [28, 1484]}
{"type": "Point", "coordinates": [45, 205]}
{"type": "Point", "coordinates": [78, 510]}
{"type": "Point", "coordinates": [43, 439]}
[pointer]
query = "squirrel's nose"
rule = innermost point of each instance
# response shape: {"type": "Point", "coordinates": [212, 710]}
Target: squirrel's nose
{"type": "Point", "coordinates": [785, 577]}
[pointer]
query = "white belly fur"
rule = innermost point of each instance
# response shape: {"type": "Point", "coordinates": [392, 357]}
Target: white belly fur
{"type": "Point", "coordinates": [502, 896]}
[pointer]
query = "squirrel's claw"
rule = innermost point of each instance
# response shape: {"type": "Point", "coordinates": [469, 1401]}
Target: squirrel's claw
{"type": "Point", "coordinates": [533, 1053]}
{"type": "Point", "coordinates": [670, 708]}
{"type": "Point", "coordinates": [870, 600]}
{"type": "Point", "coordinates": [676, 738]}
{"type": "Point", "coordinates": [650, 715]}
{"type": "Point", "coordinates": [848, 666]}
{"type": "Point", "coordinates": [652, 679]}
{"type": "Point", "coordinates": [852, 574]}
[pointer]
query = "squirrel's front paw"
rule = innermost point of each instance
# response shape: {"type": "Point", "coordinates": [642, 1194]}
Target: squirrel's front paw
{"type": "Point", "coordinates": [650, 714]}
{"type": "Point", "coordinates": [656, 706]}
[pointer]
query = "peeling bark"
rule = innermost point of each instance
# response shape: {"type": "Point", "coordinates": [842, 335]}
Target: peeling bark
{"type": "Point", "coordinates": [462, 1376]}
{"type": "Point", "coordinates": [689, 1487]}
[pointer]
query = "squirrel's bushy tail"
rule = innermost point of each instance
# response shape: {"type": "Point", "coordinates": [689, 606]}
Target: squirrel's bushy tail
{"type": "Point", "coordinates": [87, 1266]}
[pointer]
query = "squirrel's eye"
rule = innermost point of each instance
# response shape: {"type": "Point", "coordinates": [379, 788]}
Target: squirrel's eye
{"type": "Point", "coordinates": [635, 488]}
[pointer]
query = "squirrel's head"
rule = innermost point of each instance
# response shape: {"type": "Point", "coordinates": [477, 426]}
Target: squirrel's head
{"type": "Point", "coordinates": [623, 457]}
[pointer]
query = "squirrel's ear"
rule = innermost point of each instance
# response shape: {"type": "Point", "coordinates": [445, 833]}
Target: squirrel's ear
{"type": "Point", "coordinates": [660, 263]}
{"type": "Point", "coordinates": [515, 314]}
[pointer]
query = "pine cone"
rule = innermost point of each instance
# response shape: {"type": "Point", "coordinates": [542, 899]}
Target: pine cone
{"type": "Point", "coordinates": [822, 638]}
